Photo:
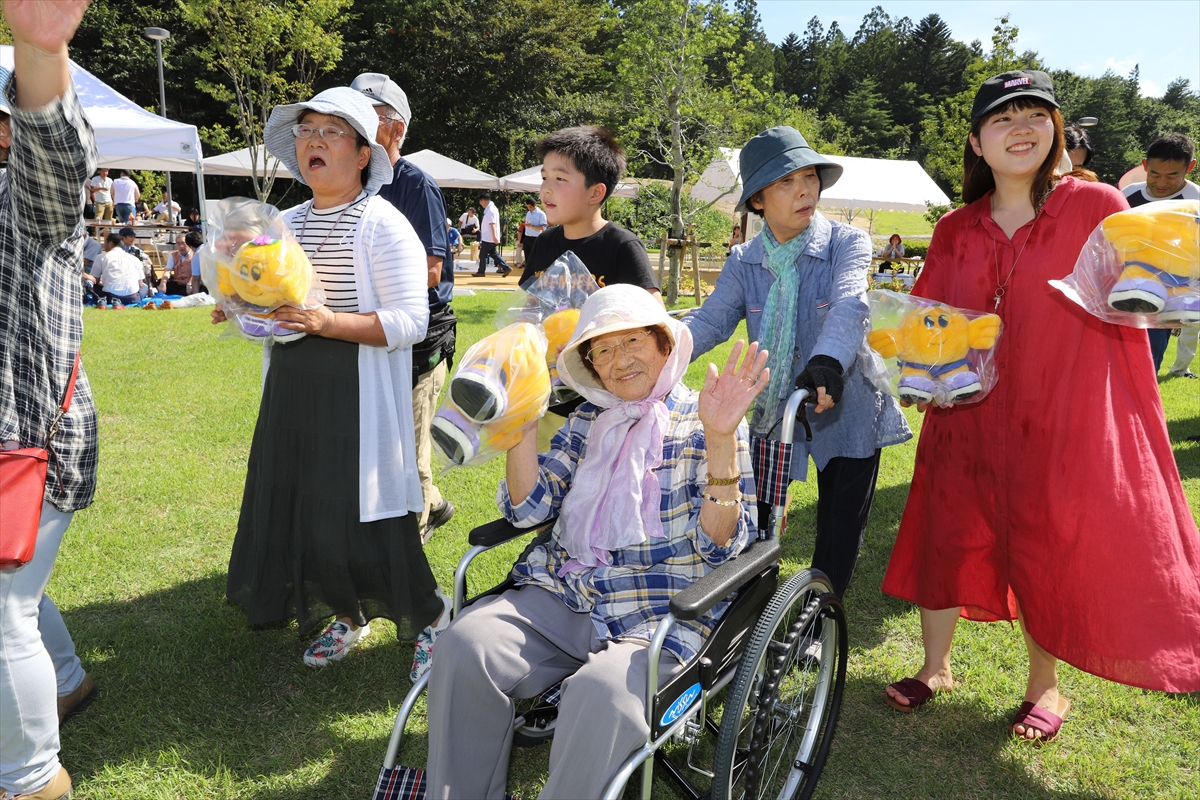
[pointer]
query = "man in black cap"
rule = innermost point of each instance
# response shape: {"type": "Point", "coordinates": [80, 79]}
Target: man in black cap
{"type": "Point", "coordinates": [415, 194]}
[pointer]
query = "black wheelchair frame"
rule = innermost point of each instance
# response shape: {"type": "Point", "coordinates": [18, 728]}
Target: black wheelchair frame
{"type": "Point", "coordinates": [778, 653]}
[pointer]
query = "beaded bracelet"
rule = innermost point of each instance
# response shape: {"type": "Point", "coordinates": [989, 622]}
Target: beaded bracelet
{"type": "Point", "coordinates": [726, 503]}
{"type": "Point", "coordinates": [723, 481]}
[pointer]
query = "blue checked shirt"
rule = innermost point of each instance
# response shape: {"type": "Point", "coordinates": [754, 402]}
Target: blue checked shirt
{"type": "Point", "coordinates": [628, 598]}
{"type": "Point", "coordinates": [832, 319]}
{"type": "Point", "coordinates": [41, 297]}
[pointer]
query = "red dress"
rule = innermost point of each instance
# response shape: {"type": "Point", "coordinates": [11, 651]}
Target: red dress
{"type": "Point", "coordinates": [1060, 488]}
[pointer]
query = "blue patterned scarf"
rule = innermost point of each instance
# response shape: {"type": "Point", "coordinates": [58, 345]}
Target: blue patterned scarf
{"type": "Point", "coordinates": [778, 333]}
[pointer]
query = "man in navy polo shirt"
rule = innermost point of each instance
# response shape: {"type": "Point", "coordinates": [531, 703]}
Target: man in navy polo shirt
{"type": "Point", "coordinates": [414, 193]}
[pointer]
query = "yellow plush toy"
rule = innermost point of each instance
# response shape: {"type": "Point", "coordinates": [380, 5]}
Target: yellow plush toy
{"type": "Point", "coordinates": [558, 327]}
{"type": "Point", "coordinates": [500, 387]}
{"type": "Point", "coordinates": [266, 273]}
{"type": "Point", "coordinates": [931, 344]}
{"type": "Point", "coordinates": [1159, 246]}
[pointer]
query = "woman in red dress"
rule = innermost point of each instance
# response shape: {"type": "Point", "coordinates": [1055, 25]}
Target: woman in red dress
{"type": "Point", "coordinates": [1056, 500]}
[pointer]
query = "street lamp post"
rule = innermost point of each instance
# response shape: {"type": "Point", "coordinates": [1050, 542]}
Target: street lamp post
{"type": "Point", "coordinates": [158, 35]}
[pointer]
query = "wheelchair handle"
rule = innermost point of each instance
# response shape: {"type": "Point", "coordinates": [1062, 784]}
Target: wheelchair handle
{"type": "Point", "coordinates": [795, 410]}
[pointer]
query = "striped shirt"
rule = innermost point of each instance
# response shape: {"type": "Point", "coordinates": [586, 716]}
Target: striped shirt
{"type": "Point", "coordinates": [327, 236]}
{"type": "Point", "coordinates": [41, 300]}
{"type": "Point", "coordinates": [629, 597]}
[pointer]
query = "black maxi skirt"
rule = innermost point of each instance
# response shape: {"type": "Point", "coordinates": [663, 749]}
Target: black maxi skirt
{"type": "Point", "coordinates": [300, 550]}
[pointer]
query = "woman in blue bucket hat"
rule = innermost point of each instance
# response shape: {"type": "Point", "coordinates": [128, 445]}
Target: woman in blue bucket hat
{"type": "Point", "coordinates": [801, 286]}
{"type": "Point", "coordinates": [328, 524]}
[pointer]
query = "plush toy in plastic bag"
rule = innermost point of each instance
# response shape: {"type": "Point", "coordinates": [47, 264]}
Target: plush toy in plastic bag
{"type": "Point", "coordinates": [1141, 267]}
{"type": "Point", "coordinates": [253, 265]}
{"type": "Point", "coordinates": [553, 302]}
{"type": "Point", "coordinates": [932, 352]}
{"type": "Point", "coordinates": [500, 386]}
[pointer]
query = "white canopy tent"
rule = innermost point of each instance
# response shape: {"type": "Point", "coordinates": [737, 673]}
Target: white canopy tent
{"type": "Point", "coordinates": [127, 135]}
{"type": "Point", "coordinates": [451, 174]}
{"type": "Point", "coordinates": [530, 180]}
{"type": "Point", "coordinates": [876, 184]}
{"type": "Point", "coordinates": [238, 164]}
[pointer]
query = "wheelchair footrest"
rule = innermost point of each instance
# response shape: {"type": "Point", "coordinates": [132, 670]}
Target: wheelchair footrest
{"type": "Point", "coordinates": [403, 783]}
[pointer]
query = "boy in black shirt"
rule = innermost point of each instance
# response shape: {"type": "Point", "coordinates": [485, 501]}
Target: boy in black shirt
{"type": "Point", "coordinates": [580, 168]}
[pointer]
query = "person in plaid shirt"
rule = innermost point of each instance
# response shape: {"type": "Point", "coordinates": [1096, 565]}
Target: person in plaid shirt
{"type": "Point", "coordinates": [653, 488]}
{"type": "Point", "coordinates": [51, 155]}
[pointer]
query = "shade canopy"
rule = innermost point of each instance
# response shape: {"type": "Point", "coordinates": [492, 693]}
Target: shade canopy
{"type": "Point", "coordinates": [127, 135]}
{"type": "Point", "coordinates": [238, 163]}
{"type": "Point", "coordinates": [451, 174]}
{"type": "Point", "coordinates": [878, 184]}
{"type": "Point", "coordinates": [530, 180]}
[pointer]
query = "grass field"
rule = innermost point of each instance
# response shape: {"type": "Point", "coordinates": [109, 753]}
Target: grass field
{"type": "Point", "coordinates": [194, 704]}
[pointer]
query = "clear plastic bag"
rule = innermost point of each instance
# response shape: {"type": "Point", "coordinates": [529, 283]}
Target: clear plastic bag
{"type": "Point", "coordinates": [1141, 267]}
{"type": "Point", "coordinates": [500, 386]}
{"type": "Point", "coordinates": [252, 265]}
{"type": "Point", "coordinates": [922, 351]}
{"type": "Point", "coordinates": [553, 302]}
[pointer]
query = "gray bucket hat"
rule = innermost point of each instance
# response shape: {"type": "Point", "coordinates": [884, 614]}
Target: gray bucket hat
{"type": "Point", "coordinates": [341, 101]}
{"type": "Point", "coordinates": [777, 152]}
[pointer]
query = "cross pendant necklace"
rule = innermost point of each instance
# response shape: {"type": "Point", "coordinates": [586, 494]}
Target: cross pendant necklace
{"type": "Point", "coordinates": [1002, 286]}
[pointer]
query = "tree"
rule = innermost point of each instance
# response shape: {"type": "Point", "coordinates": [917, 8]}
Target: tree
{"type": "Point", "coordinates": [678, 116]}
{"type": "Point", "coordinates": [268, 52]}
{"type": "Point", "coordinates": [487, 78]}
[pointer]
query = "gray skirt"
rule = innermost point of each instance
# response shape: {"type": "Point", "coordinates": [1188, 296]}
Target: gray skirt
{"type": "Point", "coordinates": [300, 550]}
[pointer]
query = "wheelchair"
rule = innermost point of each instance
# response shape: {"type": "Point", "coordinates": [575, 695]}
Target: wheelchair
{"type": "Point", "coordinates": [762, 694]}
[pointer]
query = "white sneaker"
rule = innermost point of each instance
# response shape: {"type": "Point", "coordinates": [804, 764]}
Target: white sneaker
{"type": "Point", "coordinates": [423, 652]}
{"type": "Point", "coordinates": [334, 643]}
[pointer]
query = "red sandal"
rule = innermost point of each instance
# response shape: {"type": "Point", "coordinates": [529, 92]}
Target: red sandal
{"type": "Point", "coordinates": [1045, 722]}
{"type": "Point", "coordinates": [916, 692]}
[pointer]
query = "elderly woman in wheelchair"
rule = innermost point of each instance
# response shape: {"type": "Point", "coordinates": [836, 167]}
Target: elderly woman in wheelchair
{"type": "Point", "coordinates": [652, 600]}
{"type": "Point", "coordinates": [647, 483]}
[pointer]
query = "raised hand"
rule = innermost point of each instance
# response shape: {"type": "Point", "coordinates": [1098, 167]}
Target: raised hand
{"type": "Point", "coordinates": [41, 30]}
{"type": "Point", "coordinates": [726, 396]}
{"type": "Point", "coordinates": [45, 24]}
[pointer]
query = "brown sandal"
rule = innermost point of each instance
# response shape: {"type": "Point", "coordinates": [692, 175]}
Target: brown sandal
{"type": "Point", "coordinates": [1042, 720]}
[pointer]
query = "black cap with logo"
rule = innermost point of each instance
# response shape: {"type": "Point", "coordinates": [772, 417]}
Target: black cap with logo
{"type": "Point", "coordinates": [1008, 86]}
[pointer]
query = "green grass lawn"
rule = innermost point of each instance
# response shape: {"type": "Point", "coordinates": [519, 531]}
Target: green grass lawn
{"type": "Point", "coordinates": [194, 704]}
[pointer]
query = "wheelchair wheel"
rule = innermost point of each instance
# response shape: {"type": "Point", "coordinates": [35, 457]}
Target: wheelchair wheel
{"type": "Point", "coordinates": [782, 707]}
{"type": "Point", "coordinates": [533, 722]}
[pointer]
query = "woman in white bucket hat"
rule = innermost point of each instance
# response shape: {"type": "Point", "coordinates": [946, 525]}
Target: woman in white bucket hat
{"type": "Point", "coordinates": [328, 525]}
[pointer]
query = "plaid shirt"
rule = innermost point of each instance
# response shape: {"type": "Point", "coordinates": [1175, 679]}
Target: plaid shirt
{"type": "Point", "coordinates": [628, 598]}
{"type": "Point", "coordinates": [41, 299]}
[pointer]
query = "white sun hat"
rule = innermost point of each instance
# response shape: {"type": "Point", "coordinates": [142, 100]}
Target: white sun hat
{"type": "Point", "coordinates": [341, 101]}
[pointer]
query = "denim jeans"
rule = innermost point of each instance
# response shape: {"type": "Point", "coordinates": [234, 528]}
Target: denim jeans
{"type": "Point", "coordinates": [124, 212]}
{"type": "Point", "coordinates": [37, 664]}
{"type": "Point", "coordinates": [1159, 339]}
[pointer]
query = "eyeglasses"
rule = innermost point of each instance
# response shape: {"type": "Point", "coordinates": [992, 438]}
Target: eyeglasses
{"type": "Point", "coordinates": [633, 343]}
{"type": "Point", "coordinates": [383, 120]}
{"type": "Point", "coordinates": [328, 133]}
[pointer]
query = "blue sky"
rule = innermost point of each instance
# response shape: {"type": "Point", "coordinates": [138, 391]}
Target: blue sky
{"type": "Point", "coordinates": [1085, 37]}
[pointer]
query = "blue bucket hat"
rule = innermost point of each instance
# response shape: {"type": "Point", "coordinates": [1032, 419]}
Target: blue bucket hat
{"type": "Point", "coordinates": [777, 152]}
{"type": "Point", "coordinates": [341, 101]}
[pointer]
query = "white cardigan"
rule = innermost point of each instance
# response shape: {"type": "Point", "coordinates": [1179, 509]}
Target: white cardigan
{"type": "Point", "coordinates": [390, 276]}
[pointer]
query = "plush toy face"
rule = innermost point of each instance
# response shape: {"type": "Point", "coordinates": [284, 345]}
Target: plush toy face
{"type": "Point", "coordinates": [934, 335]}
{"type": "Point", "coordinates": [267, 273]}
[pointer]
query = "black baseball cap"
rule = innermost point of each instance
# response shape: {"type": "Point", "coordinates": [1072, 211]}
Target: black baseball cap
{"type": "Point", "coordinates": [127, 232]}
{"type": "Point", "coordinates": [1007, 86]}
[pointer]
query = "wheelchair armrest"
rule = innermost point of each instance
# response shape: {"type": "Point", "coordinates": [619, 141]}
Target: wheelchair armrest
{"type": "Point", "coordinates": [724, 580]}
{"type": "Point", "coordinates": [501, 531]}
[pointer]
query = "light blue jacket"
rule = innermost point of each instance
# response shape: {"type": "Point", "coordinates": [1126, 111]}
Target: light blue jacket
{"type": "Point", "coordinates": [832, 319]}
